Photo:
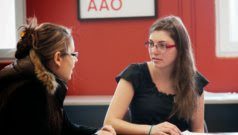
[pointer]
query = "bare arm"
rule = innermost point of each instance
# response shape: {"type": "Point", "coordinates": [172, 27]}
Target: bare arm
{"type": "Point", "coordinates": [198, 116]}
{"type": "Point", "coordinates": [119, 106]}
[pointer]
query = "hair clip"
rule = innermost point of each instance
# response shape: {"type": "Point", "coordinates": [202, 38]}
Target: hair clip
{"type": "Point", "coordinates": [22, 34]}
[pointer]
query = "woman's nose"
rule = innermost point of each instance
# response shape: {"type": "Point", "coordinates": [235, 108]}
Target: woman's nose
{"type": "Point", "coordinates": [156, 50]}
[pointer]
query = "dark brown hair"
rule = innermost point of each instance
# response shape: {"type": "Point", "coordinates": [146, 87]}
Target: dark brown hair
{"type": "Point", "coordinates": [184, 70]}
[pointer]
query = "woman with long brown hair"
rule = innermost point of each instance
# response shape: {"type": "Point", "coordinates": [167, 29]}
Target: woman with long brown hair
{"type": "Point", "coordinates": [165, 94]}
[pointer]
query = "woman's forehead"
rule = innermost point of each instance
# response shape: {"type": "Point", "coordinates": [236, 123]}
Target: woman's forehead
{"type": "Point", "coordinates": [157, 36]}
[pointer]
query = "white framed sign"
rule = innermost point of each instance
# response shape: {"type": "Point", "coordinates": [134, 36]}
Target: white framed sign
{"type": "Point", "coordinates": [105, 9]}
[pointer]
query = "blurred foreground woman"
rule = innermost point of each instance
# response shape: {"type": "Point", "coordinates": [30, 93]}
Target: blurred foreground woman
{"type": "Point", "coordinates": [33, 88]}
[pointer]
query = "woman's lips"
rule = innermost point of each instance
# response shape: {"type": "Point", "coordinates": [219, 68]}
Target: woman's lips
{"type": "Point", "coordinates": [156, 59]}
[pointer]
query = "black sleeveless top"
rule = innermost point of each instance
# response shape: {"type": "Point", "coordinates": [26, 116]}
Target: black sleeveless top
{"type": "Point", "coordinates": [150, 106]}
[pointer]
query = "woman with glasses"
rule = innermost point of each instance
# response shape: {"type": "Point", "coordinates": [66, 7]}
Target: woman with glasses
{"type": "Point", "coordinates": [165, 94]}
{"type": "Point", "coordinates": [33, 88]}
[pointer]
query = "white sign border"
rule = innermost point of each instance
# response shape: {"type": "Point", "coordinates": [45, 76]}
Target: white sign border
{"type": "Point", "coordinates": [82, 16]}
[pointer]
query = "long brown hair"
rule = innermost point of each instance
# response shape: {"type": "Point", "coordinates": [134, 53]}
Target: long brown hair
{"type": "Point", "coordinates": [40, 43]}
{"type": "Point", "coordinates": [184, 70]}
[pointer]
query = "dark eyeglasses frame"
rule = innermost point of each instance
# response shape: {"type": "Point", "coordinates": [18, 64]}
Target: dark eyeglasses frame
{"type": "Point", "coordinates": [74, 54]}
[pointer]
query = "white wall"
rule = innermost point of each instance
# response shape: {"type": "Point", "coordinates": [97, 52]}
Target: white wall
{"type": "Point", "coordinates": [13, 15]}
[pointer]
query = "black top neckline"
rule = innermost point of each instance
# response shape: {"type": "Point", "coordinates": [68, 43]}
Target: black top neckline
{"type": "Point", "coordinates": [148, 75]}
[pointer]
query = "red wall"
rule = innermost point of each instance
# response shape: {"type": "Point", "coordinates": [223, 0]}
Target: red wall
{"type": "Point", "coordinates": [107, 46]}
{"type": "Point", "coordinates": [222, 72]}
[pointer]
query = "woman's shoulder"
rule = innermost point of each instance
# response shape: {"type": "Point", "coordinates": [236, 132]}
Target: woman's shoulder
{"type": "Point", "coordinates": [135, 73]}
{"type": "Point", "coordinates": [201, 82]}
{"type": "Point", "coordinates": [16, 72]}
{"type": "Point", "coordinates": [137, 67]}
{"type": "Point", "coordinates": [23, 92]}
{"type": "Point", "coordinates": [133, 70]}
{"type": "Point", "coordinates": [28, 86]}
{"type": "Point", "coordinates": [19, 84]}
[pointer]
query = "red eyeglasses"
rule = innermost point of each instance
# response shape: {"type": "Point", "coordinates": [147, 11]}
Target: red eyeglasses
{"type": "Point", "coordinates": [162, 46]}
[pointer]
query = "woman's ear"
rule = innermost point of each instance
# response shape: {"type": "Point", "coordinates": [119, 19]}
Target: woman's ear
{"type": "Point", "coordinates": [57, 58]}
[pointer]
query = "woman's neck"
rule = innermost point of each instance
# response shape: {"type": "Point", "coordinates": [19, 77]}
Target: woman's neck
{"type": "Point", "coordinates": [160, 74]}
